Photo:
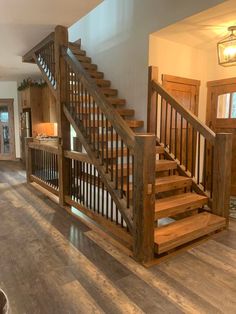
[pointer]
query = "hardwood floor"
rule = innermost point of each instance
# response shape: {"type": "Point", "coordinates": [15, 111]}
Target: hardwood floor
{"type": "Point", "coordinates": [52, 263]}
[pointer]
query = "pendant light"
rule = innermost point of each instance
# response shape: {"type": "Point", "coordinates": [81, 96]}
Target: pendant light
{"type": "Point", "coordinates": [227, 49]}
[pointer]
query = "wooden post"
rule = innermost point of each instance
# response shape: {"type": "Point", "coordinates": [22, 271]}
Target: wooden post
{"type": "Point", "coordinates": [28, 158]}
{"type": "Point", "coordinates": [152, 108]}
{"type": "Point", "coordinates": [61, 39]}
{"type": "Point", "coordinates": [222, 175]}
{"type": "Point", "coordinates": [144, 197]}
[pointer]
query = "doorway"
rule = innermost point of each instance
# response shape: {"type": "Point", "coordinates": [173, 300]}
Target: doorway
{"type": "Point", "coordinates": [7, 134]}
{"type": "Point", "coordinates": [221, 114]}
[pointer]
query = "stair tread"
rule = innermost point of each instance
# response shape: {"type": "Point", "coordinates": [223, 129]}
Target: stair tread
{"type": "Point", "coordinates": [169, 183]}
{"type": "Point", "coordinates": [109, 91]}
{"type": "Point", "coordinates": [186, 230]}
{"type": "Point", "coordinates": [173, 205]}
{"type": "Point", "coordinates": [116, 101]}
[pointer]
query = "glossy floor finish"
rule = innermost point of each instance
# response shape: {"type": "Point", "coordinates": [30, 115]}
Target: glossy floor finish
{"type": "Point", "coordinates": [52, 263]}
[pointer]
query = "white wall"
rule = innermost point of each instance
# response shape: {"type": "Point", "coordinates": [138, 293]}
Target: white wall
{"type": "Point", "coordinates": [116, 35]}
{"type": "Point", "coordinates": [180, 60]}
{"type": "Point", "coordinates": [9, 90]}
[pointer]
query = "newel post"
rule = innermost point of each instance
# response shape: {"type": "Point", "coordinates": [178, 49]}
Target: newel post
{"type": "Point", "coordinates": [222, 174]}
{"type": "Point", "coordinates": [144, 197]}
{"type": "Point", "coordinates": [151, 108]}
{"type": "Point", "coordinates": [28, 158]}
{"type": "Point", "coordinates": [61, 39]}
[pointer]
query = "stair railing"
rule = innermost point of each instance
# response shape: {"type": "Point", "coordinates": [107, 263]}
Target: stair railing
{"type": "Point", "coordinates": [124, 162]}
{"type": "Point", "coordinates": [199, 152]}
{"type": "Point", "coordinates": [43, 54]}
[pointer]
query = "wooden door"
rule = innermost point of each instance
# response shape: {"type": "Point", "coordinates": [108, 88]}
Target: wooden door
{"type": "Point", "coordinates": [7, 134]}
{"type": "Point", "coordinates": [186, 92]}
{"type": "Point", "coordinates": [221, 114]}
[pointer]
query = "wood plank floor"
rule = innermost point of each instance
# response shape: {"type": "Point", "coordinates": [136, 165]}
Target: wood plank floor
{"type": "Point", "coordinates": [52, 263]}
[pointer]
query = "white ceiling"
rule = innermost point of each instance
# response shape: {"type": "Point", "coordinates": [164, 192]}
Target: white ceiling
{"type": "Point", "coordinates": [202, 30]}
{"type": "Point", "coordinates": [25, 23]}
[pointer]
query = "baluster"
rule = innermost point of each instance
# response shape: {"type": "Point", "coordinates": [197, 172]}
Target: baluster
{"type": "Point", "coordinates": [198, 158]}
{"type": "Point", "coordinates": [186, 157]}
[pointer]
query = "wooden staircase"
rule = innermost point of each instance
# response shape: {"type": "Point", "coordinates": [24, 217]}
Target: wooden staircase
{"type": "Point", "coordinates": [175, 197]}
{"type": "Point", "coordinates": [151, 190]}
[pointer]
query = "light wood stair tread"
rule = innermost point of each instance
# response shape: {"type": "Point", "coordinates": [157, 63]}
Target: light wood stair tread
{"type": "Point", "coordinates": [186, 230]}
{"type": "Point", "coordinates": [102, 82]}
{"type": "Point", "coordinates": [173, 205]}
{"type": "Point", "coordinates": [174, 182]}
{"type": "Point", "coordinates": [116, 101]}
{"type": "Point", "coordinates": [109, 91]}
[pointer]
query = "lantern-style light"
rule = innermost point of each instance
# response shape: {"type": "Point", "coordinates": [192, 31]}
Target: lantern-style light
{"type": "Point", "coordinates": [227, 49]}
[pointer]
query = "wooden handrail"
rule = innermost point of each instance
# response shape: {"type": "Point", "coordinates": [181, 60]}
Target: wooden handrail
{"type": "Point", "coordinates": [29, 56]}
{"type": "Point", "coordinates": [185, 113]}
{"type": "Point", "coordinates": [114, 118]}
{"type": "Point", "coordinates": [44, 147]}
{"type": "Point", "coordinates": [77, 156]}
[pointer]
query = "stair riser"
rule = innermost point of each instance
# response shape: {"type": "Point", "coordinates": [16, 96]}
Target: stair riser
{"type": "Point", "coordinates": [179, 210]}
{"type": "Point", "coordinates": [173, 186]}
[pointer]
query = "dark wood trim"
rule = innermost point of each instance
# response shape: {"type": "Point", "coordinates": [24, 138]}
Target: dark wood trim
{"type": "Point", "coordinates": [180, 80]}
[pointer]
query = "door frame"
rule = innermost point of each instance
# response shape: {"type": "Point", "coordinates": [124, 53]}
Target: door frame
{"type": "Point", "coordinates": [211, 85]}
{"type": "Point", "coordinates": [225, 86]}
{"type": "Point", "coordinates": [10, 104]}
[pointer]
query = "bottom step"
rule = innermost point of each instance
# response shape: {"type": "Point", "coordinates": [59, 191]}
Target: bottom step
{"type": "Point", "coordinates": [186, 230]}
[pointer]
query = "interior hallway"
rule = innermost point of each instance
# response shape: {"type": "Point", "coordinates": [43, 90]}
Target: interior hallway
{"type": "Point", "coordinates": [52, 263]}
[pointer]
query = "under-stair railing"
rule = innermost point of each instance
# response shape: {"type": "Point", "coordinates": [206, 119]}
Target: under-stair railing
{"type": "Point", "coordinates": [43, 55]}
{"type": "Point", "coordinates": [125, 161]}
{"type": "Point", "coordinates": [42, 165]}
{"type": "Point", "coordinates": [200, 153]}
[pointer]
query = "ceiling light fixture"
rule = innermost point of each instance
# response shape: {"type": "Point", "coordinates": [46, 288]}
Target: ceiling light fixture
{"type": "Point", "coordinates": [227, 49]}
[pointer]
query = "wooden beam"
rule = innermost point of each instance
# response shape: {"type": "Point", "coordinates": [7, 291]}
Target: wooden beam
{"type": "Point", "coordinates": [152, 106]}
{"type": "Point", "coordinates": [222, 175]}
{"type": "Point", "coordinates": [144, 197]}
{"type": "Point", "coordinates": [61, 39]}
{"type": "Point", "coordinates": [28, 158]}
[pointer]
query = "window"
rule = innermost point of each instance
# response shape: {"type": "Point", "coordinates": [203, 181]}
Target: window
{"type": "Point", "coordinates": [226, 107]}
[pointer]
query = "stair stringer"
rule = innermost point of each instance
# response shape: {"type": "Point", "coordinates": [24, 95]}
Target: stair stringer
{"type": "Point", "coordinates": [127, 213]}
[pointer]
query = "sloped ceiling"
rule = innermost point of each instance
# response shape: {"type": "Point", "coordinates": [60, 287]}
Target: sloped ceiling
{"type": "Point", "coordinates": [24, 23]}
{"type": "Point", "coordinates": [203, 30]}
